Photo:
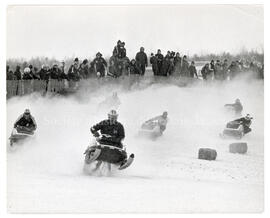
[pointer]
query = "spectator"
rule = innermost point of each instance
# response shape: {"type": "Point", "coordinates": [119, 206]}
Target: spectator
{"type": "Point", "coordinates": [100, 65]}
{"type": "Point", "coordinates": [122, 51]}
{"type": "Point", "coordinates": [166, 65]}
{"type": "Point", "coordinates": [134, 68]}
{"type": "Point", "coordinates": [17, 73]}
{"type": "Point", "coordinates": [225, 69]}
{"type": "Point", "coordinates": [55, 72]}
{"type": "Point", "coordinates": [233, 69]}
{"type": "Point", "coordinates": [212, 65]}
{"type": "Point", "coordinates": [218, 71]}
{"type": "Point", "coordinates": [154, 63]}
{"type": "Point", "coordinates": [159, 62]}
{"type": "Point", "coordinates": [83, 70]}
{"type": "Point", "coordinates": [44, 73]}
{"type": "Point", "coordinates": [206, 72]}
{"type": "Point", "coordinates": [10, 75]}
{"type": "Point", "coordinates": [177, 63]}
{"type": "Point", "coordinates": [73, 71]}
{"type": "Point", "coordinates": [185, 67]}
{"type": "Point", "coordinates": [193, 70]}
{"type": "Point", "coordinates": [62, 67]}
{"type": "Point", "coordinates": [26, 74]}
{"type": "Point", "coordinates": [141, 59]}
{"type": "Point", "coordinates": [116, 50]}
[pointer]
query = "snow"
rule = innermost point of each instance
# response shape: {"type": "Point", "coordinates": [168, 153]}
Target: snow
{"type": "Point", "coordinates": [45, 174]}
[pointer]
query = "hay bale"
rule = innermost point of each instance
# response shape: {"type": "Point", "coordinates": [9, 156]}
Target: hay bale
{"type": "Point", "coordinates": [238, 147]}
{"type": "Point", "coordinates": [207, 154]}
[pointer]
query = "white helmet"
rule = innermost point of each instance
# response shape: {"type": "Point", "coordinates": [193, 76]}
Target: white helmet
{"type": "Point", "coordinates": [98, 74]}
{"type": "Point", "coordinates": [112, 114]}
{"type": "Point", "coordinates": [26, 70]}
{"type": "Point", "coordinates": [26, 111]}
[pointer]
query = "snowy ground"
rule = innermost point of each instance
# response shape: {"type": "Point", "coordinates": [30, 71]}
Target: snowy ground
{"type": "Point", "coordinates": [45, 174]}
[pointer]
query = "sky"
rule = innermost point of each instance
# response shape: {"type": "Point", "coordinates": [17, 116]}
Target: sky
{"type": "Point", "coordinates": [81, 31]}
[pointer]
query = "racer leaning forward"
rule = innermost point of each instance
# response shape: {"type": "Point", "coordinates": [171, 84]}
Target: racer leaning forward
{"type": "Point", "coordinates": [26, 122]}
{"type": "Point", "coordinates": [112, 133]}
{"type": "Point", "coordinates": [161, 120]}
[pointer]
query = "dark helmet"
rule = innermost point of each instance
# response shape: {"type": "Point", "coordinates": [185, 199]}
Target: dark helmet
{"type": "Point", "coordinates": [248, 117]}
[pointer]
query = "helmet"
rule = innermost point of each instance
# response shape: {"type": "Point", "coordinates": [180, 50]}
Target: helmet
{"type": "Point", "coordinates": [98, 74]}
{"type": "Point", "coordinates": [26, 111]}
{"type": "Point", "coordinates": [248, 117]}
{"type": "Point", "coordinates": [112, 114]}
{"type": "Point", "coordinates": [237, 100]}
{"type": "Point", "coordinates": [26, 70]}
{"type": "Point", "coordinates": [165, 114]}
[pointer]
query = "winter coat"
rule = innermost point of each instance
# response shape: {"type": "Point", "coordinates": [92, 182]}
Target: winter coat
{"type": "Point", "coordinates": [115, 130]}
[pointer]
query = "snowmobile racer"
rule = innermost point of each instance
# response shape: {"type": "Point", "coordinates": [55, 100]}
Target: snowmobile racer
{"type": "Point", "coordinates": [239, 127]}
{"type": "Point", "coordinates": [24, 126]}
{"type": "Point", "coordinates": [108, 148]}
{"type": "Point", "coordinates": [158, 121]}
{"type": "Point", "coordinates": [236, 106]}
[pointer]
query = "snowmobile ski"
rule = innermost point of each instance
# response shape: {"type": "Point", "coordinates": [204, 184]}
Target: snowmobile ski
{"type": "Point", "coordinates": [127, 163]}
{"type": "Point", "coordinates": [92, 155]}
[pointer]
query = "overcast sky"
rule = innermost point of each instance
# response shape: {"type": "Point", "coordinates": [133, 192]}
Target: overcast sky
{"type": "Point", "coordinates": [65, 31]}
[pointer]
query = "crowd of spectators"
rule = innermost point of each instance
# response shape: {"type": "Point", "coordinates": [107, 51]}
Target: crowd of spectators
{"type": "Point", "coordinates": [172, 64]}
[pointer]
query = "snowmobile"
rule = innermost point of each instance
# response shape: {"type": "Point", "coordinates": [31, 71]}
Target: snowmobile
{"type": "Point", "coordinates": [150, 129]}
{"type": "Point", "coordinates": [99, 156]}
{"type": "Point", "coordinates": [20, 133]}
{"type": "Point", "coordinates": [236, 129]}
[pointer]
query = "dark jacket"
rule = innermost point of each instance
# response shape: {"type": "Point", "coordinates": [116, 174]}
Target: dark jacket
{"type": "Point", "coordinates": [100, 64]}
{"type": "Point", "coordinates": [166, 66]}
{"type": "Point", "coordinates": [18, 74]}
{"type": "Point", "coordinates": [159, 59]}
{"type": "Point", "coordinates": [55, 73]}
{"type": "Point", "coordinates": [10, 75]}
{"type": "Point", "coordinates": [115, 130]}
{"type": "Point", "coordinates": [141, 58]}
{"type": "Point", "coordinates": [27, 76]}
{"type": "Point", "coordinates": [193, 71]}
{"type": "Point", "coordinates": [205, 71]}
{"type": "Point", "coordinates": [30, 123]}
{"type": "Point", "coordinates": [44, 74]}
{"type": "Point", "coordinates": [134, 68]}
{"type": "Point", "coordinates": [73, 73]}
{"type": "Point", "coordinates": [83, 71]}
{"type": "Point", "coordinates": [153, 61]}
{"type": "Point", "coordinates": [246, 124]}
{"type": "Point", "coordinates": [185, 68]}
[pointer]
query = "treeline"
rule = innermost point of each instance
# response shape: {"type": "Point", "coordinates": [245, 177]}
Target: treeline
{"type": "Point", "coordinates": [244, 55]}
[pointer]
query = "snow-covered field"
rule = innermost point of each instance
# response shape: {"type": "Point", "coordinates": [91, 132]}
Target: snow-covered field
{"type": "Point", "coordinates": [45, 174]}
